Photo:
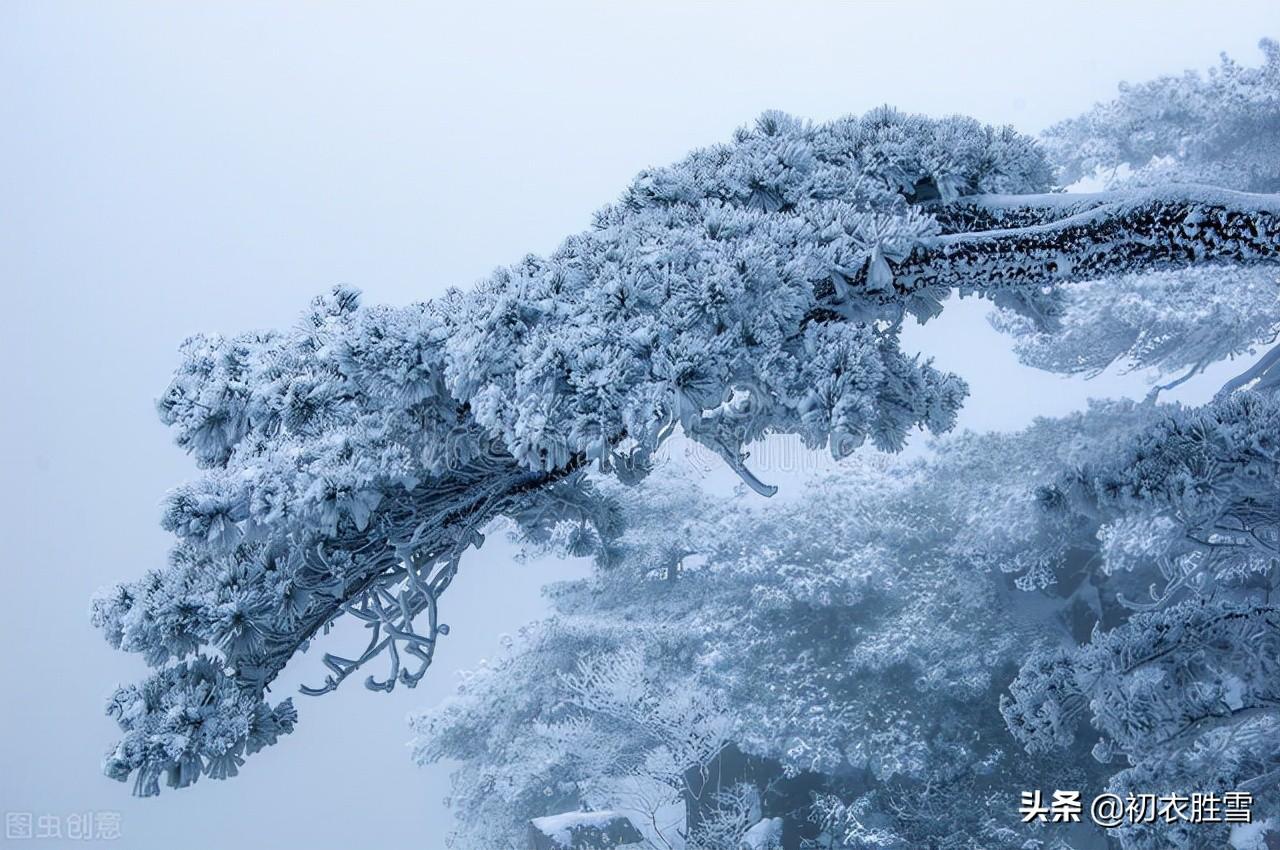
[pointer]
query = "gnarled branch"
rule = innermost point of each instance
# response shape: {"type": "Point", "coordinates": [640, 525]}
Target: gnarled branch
{"type": "Point", "coordinates": [996, 241]}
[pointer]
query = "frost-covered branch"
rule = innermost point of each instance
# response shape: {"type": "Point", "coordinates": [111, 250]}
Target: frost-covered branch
{"type": "Point", "coordinates": [1048, 239]}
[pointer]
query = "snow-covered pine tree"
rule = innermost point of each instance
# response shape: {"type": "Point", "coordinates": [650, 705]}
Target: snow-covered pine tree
{"type": "Point", "coordinates": [755, 287]}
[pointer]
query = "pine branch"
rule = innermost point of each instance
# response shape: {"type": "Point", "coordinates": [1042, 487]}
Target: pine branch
{"type": "Point", "coordinates": [992, 242]}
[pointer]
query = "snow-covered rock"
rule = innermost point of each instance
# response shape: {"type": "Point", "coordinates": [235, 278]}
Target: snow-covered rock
{"type": "Point", "coordinates": [582, 831]}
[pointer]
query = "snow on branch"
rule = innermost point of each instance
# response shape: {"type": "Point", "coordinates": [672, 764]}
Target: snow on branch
{"type": "Point", "coordinates": [995, 241]}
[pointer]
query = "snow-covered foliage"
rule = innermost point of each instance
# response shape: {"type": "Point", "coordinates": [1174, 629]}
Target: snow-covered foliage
{"type": "Point", "coordinates": [1184, 692]}
{"type": "Point", "coordinates": [195, 719]}
{"type": "Point", "coordinates": [1170, 322]}
{"type": "Point", "coordinates": [754, 288]}
{"type": "Point", "coordinates": [1221, 128]}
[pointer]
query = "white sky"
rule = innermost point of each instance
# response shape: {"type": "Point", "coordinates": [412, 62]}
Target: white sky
{"type": "Point", "coordinates": [174, 167]}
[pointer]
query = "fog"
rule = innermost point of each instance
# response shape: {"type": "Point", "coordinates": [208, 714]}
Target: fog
{"type": "Point", "coordinates": [171, 168]}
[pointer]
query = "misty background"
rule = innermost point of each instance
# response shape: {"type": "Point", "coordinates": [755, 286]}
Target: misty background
{"type": "Point", "coordinates": [168, 168]}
